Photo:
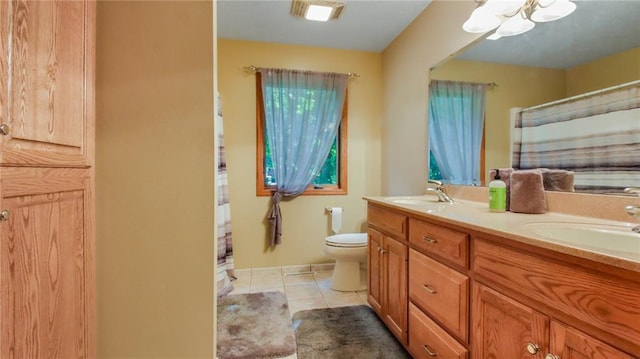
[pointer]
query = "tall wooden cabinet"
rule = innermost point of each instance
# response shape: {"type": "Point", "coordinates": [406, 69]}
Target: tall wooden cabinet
{"type": "Point", "coordinates": [47, 125]}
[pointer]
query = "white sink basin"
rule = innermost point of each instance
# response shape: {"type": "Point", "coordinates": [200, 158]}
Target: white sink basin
{"type": "Point", "coordinates": [611, 238]}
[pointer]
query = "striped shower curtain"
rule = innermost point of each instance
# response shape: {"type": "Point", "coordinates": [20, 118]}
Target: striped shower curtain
{"type": "Point", "coordinates": [224, 267]}
{"type": "Point", "coordinates": [597, 136]}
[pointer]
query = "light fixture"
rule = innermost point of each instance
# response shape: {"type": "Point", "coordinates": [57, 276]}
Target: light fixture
{"type": "Point", "coordinates": [317, 10]}
{"type": "Point", "coordinates": [514, 17]}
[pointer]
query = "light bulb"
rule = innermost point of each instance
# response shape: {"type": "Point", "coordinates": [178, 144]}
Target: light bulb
{"type": "Point", "coordinates": [557, 10]}
{"type": "Point", "coordinates": [503, 7]}
{"type": "Point", "coordinates": [515, 26]}
{"type": "Point", "coordinates": [481, 21]}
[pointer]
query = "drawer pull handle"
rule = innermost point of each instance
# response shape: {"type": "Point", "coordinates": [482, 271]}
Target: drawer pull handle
{"type": "Point", "coordinates": [430, 240]}
{"type": "Point", "coordinates": [532, 348]}
{"type": "Point", "coordinates": [429, 289]}
{"type": "Point", "coordinates": [429, 351]}
{"type": "Point", "coordinates": [551, 356]}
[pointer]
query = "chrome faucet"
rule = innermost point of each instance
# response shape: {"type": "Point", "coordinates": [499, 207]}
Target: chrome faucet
{"type": "Point", "coordinates": [439, 191]}
{"type": "Point", "coordinates": [633, 210]}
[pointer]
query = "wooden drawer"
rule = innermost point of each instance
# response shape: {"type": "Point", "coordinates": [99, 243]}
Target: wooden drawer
{"type": "Point", "coordinates": [426, 338]}
{"type": "Point", "coordinates": [393, 223]}
{"type": "Point", "coordinates": [604, 302]}
{"type": "Point", "coordinates": [443, 242]}
{"type": "Point", "coordinates": [441, 291]}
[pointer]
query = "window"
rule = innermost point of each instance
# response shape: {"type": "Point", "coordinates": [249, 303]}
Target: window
{"type": "Point", "coordinates": [456, 132]}
{"type": "Point", "coordinates": [332, 178]}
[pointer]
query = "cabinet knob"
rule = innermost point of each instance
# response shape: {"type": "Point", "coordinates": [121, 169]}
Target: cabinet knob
{"type": "Point", "coordinates": [551, 356]}
{"type": "Point", "coordinates": [383, 251]}
{"type": "Point", "coordinates": [4, 215]}
{"type": "Point", "coordinates": [532, 348]}
{"type": "Point", "coordinates": [4, 130]}
{"type": "Point", "coordinates": [429, 351]}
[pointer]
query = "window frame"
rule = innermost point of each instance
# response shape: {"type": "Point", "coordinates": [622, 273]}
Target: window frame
{"type": "Point", "coordinates": [263, 190]}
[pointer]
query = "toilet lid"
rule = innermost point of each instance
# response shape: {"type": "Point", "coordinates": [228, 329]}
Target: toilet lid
{"type": "Point", "coordinates": [347, 240]}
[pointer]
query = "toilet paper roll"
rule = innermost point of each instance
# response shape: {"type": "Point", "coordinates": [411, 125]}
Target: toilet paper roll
{"type": "Point", "coordinates": [336, 219]}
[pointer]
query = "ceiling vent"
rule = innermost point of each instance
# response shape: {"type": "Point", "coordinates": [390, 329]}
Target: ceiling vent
{"type": "Point", "coordinates": [317, 10]}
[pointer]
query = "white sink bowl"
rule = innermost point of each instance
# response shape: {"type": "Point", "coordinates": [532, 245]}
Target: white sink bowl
{"type": "Point", "coordinates": [611, 238]}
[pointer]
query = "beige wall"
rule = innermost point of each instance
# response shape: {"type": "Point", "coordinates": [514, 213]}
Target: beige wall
{"type": "Point", "coordinates": [605, 72]}
{"type": "Point", "coordinates": [518, 86]}
{"type": "Point", "coordinates": [433, 36]}
{"type": "Point", "coordinates": [155, 179]}
{"type": "Point", "coordinates": [305, 222]}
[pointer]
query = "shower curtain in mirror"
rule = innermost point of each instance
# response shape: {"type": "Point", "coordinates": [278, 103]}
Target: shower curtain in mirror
{"type": "Point", "coordinates": [596, 135]}
{"type": "Point", "coordinates": [224, 267]}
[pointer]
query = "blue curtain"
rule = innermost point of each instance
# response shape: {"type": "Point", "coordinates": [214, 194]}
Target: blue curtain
{"type": "Point", "coordinates": [456, 113]}
{"type": "Point", "coordinates": [303, 110]}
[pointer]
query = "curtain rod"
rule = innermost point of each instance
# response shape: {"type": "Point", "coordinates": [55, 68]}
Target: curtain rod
{"type": "Point", "coordinates": [577, 97]}
{"type": "Point", "coordinates": [489, 84]}
{"type": "Point", "coordinates": [253, 69]}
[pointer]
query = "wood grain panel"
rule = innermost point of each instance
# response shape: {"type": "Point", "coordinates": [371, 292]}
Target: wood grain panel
{"type": "Point", "coordinates": [389, 222]}
{"type": "Point", "coordinates": [43, 277]}
{"type": "Point", "coordinates": [502, 327]}
{"type": "Point", "coordinates": [395, 304]}
{"type": "Point", "coordinates": [47, 98]}
{"type": "Point", "coordinates": [5, 26]}
{"type": "Point", "coordinates": [569, 343]}
{"type": "Point", "coordinates": [426, 338]}
{"type": "Point", "coordinates": [611, 304]}
{"type": "Point", "coordinates": [441, 291]}
{"type": "Point", "coordinates": [20, 181]}
{"type": "Point", "coordinates": [445, 243]}
{"type": "Point", "coordinates": [374, 271]}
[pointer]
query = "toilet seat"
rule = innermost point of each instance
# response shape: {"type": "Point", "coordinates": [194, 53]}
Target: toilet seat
{"type": "Point", "coordinates": [347, 240]}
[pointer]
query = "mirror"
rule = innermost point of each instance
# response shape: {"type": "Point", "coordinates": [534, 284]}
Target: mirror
{"type": "Point", "coordinates": [595, 47]}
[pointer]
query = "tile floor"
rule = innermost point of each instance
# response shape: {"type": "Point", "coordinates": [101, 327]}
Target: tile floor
{"type": "Point", "coordinates": [306, 287]}
{"type": "Point", "coordinates": [303, 290]}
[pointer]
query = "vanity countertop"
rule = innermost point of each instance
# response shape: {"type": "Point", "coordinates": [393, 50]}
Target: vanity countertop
{"type": "Point", "coordinates": [518, 227]}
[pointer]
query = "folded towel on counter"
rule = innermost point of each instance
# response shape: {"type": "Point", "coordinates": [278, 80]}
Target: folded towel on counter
{"type": "Point", "coordinates": [558, 180]}
{"type": "Point", "coordinates": [527, 192]}
{"type": "Point", "coordinates": [505, 174]}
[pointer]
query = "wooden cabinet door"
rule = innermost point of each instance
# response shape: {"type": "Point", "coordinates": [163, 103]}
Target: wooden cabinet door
{"type": "Point", "coordinates": [503, 328]}
{"type": "Point", "coordinates": [374, 268]}
{"type": "Point", "coordinates": [569, 343]}
{"type": "Point", "coordinates": [47, 71]}
{"type": "Point", "coordinates": [395, 257]}
{"type": "Point", "coordinates": [46, 264]}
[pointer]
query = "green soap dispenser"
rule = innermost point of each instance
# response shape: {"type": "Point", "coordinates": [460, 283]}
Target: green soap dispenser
{"type": "Point", "coordinates": [497, 194]}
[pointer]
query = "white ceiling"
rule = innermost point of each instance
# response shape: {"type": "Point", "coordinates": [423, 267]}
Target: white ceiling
{"type": "Point", "coordinates": [596, 28]}
{"type": "Point", "coordinates": [367, 25]}
{"type": "Point", "coordinates": [604, 26]}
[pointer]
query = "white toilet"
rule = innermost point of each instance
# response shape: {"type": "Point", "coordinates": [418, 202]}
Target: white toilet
{"type": "Point", "coordinates": [349, 250]}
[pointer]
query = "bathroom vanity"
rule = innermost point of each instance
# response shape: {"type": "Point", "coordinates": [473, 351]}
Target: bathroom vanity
{"type": "Point", "coordinates": [456, 281]}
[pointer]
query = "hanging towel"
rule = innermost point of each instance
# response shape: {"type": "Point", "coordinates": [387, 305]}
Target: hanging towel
{"type": "Point", "coordinates": [558, 180]}
{"type": "Point", "coordinates": [505, 176]}
{"type": "Point", "coordinates": [527, 192]}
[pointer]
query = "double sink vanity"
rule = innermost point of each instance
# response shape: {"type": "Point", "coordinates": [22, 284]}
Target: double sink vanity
{"type": "Point", "coordinates": [453, 280]}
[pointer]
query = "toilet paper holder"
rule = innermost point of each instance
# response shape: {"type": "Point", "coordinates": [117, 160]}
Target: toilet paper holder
{"type": "Point", "coordinates": [330, 209]}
